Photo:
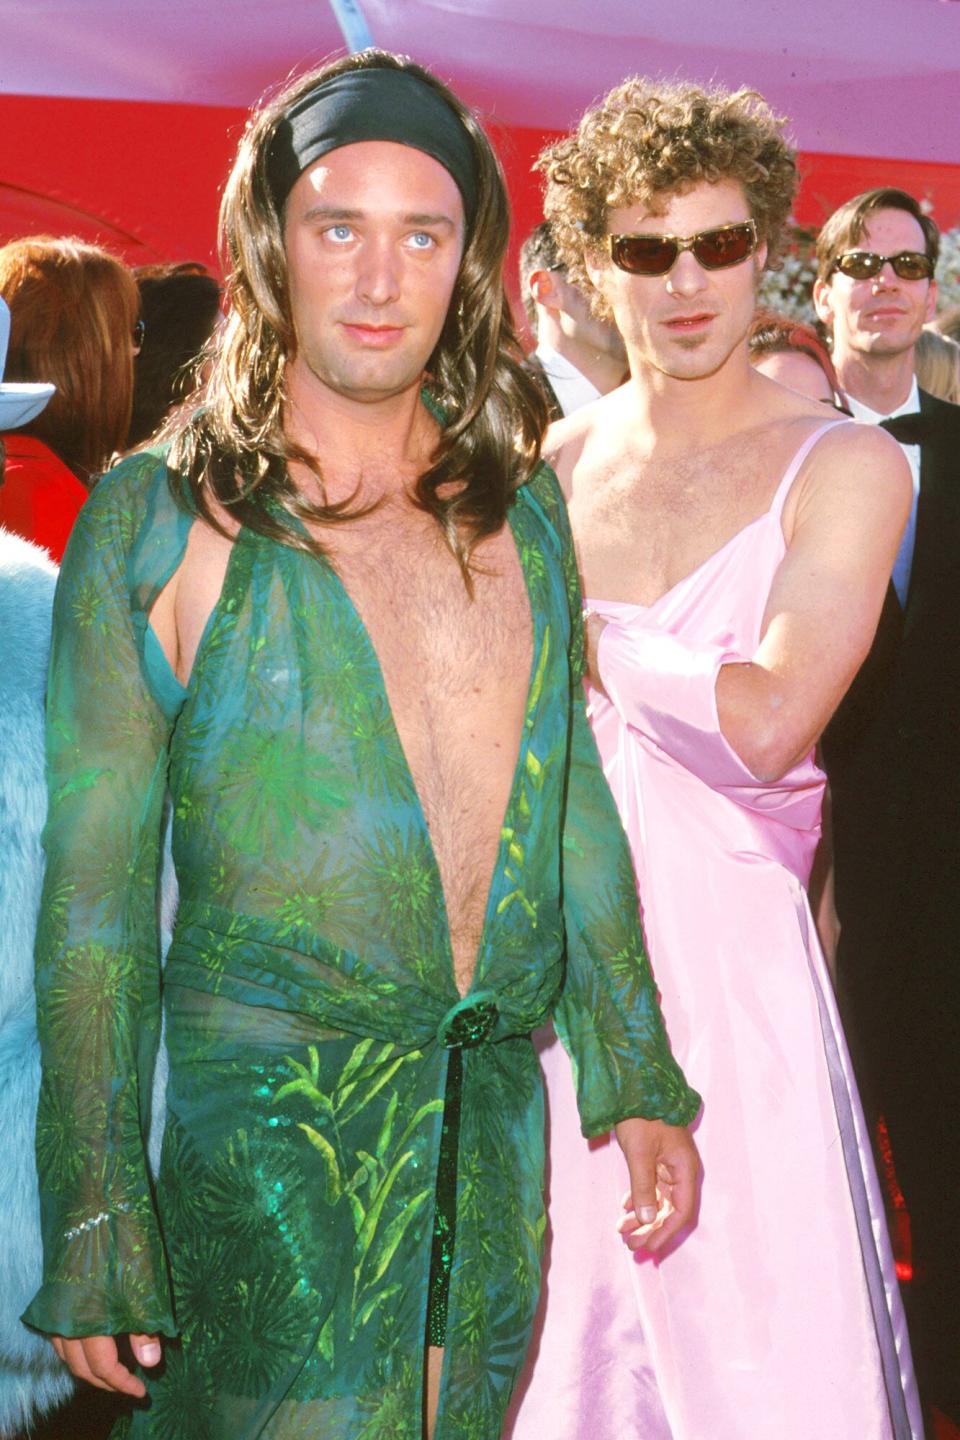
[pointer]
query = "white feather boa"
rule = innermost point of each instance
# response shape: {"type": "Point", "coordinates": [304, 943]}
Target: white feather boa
{"type": "Point", "coordinates": [32, 1379]}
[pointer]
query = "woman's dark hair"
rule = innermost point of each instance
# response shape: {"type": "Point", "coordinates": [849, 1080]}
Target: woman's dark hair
{"type": "Point", "coordinates": [233, 450]}
{"type": "Point", "coordinates": [179, 307]}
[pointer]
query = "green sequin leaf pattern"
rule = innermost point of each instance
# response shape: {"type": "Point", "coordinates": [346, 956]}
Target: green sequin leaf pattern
{"type": "Point", "coordinates": [309, 998]}
{"type": "Point", "coordinates": [363, 1180]}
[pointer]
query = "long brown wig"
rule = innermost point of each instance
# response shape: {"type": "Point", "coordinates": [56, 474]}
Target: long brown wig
{"type": "Point", "coordinates": [233, 451]}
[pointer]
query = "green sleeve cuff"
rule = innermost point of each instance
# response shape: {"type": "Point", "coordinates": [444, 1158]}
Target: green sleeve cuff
{"type": "Point", "coordinates": [74, 1308]}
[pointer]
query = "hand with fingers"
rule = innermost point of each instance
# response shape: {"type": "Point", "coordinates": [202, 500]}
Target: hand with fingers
{"type": "Point", "coordinates": [664, 1182]}
{"type": "Point", "coordinates": [594, 625]}
{"type": "Point", "coordinates": [95, 1358]}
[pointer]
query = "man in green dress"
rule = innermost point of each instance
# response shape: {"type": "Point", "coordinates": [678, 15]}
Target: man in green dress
{"type": "Point", "coordinates": [337, 620]}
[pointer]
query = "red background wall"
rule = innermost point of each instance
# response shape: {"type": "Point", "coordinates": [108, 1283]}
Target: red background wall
{"type": "Point", "coordinates": [145, 178]}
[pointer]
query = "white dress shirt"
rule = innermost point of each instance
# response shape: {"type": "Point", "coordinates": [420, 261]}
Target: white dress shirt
{"type": "Point", "coordinates": [571, 388]}
{"type": "Point", "coordinates": [904, 560]}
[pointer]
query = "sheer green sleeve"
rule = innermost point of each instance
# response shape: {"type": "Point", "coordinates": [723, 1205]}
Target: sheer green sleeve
{"type": "Point", "coordinates": [97, 945]}
{"type": "Point", "coordinates": [608, 1017]}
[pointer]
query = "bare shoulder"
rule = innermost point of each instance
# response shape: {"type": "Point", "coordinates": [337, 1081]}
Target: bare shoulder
{"type": "Point", "coordinates": [569, 442]}
{"type": "Point", "coordinates": [562, 447]}
{"type": "Point", "coordinates": [855, 454]}
{"type": "Point", "coordinates": [856, 468]}
{"type": "Point", "coordinates": [848, 457]}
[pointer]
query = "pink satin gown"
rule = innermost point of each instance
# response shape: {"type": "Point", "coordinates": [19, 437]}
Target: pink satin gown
{"type": "Point", "coordinates": [778, 1316]}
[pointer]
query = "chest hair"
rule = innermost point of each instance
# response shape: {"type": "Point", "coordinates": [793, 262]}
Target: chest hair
{"type": "Point", "coordinates": [456, 668]}
{"type": "Point", "coordinates": [643, 524]}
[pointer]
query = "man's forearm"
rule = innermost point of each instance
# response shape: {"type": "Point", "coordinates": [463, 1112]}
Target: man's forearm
{"type": "Point", "coordinates": [727, 718]}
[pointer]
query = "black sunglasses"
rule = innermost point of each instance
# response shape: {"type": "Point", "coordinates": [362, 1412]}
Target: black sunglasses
{"type": "Point", "coordinates": [657, 254]}
{"type": "Point", "coordinates": [865, 264]}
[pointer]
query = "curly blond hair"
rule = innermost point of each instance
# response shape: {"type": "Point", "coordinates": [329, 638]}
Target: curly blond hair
{"type": "Point", "coordinates": [647, 140]}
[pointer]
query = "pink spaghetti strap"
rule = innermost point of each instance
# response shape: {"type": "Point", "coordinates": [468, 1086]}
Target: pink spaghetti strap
{"type": "Point", "coordinates": [793, 469]}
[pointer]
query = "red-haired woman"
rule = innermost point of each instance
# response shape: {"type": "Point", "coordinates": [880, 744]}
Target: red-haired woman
{"type": "Point", "coordinates": [792, 353]}
{"type": "Point", "coordinates": [74, 317]}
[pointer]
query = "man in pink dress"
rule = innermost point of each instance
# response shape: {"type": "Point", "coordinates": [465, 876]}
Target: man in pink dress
{"type": "Point", "coordinates": [735, 541]}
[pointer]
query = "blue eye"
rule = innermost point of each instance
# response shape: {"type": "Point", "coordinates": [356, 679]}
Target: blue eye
{"type": "Point", "coordinates": [421, 240]}
{"type": "Point", "coordinates": [340, 232]}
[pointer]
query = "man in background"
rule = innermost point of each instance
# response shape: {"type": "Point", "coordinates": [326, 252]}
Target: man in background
{"type": "Point", "coordinates": [893, 756]}
{"type": "Point", "coordinates": [578, 358]}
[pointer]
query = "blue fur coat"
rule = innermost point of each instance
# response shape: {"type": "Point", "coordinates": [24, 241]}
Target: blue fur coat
{"type": "Point", "coordinates": [32, 1379]}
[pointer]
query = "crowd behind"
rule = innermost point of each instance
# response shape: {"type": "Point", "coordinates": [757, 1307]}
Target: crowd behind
{"type": "Point", "coordinates": [123, 348]}
{"type": "Point", "coordinates": [100, 356]}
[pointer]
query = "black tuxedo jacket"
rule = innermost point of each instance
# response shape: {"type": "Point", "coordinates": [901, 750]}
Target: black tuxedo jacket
{"type": "Point", "coordinates": [892, 753]}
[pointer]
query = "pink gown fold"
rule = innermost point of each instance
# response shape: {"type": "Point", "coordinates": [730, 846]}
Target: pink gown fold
{"type": "Point", "coordinates": [778, 1317]}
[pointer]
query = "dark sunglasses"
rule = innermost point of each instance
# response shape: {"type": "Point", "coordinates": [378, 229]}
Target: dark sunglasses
{"type": "Point", "coordinates": [865, 264]}
{"type": "Point", "coordinates": [657, 254]}
{"type": "Point", "coordinates": [139, 330]}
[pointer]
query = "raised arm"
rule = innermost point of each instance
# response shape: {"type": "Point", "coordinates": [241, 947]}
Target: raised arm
{"type": "Point", "coordinates": [97, 948]}
{"type": "Point", "coordinates": [762, 713]}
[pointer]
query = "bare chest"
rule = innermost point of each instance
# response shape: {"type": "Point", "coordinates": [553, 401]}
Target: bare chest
{"type": "Point", "coordinates": [437, 643]}
{"type": "Point", "coordinates": [641, 528]}
{"type": "Point", "coordinates": [456, 669]}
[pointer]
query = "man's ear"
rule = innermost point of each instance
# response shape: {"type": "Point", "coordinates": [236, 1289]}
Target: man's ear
{"type": "Point", "coordinates": [823, 301]}
{"type": "Point", "coordinates": [543, 287]}
{"type": "Point", "coordinates": [931, 309]}
{"type": "Point", "coordinates": [597, 262]}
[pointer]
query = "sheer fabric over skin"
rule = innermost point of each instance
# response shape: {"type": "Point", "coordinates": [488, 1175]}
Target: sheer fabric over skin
{"type": "Point", "coordinates": [308, 993]}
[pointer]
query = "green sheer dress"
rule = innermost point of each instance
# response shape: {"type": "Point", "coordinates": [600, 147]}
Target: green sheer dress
{"type": "Point", "coordinates": [311, 1010]}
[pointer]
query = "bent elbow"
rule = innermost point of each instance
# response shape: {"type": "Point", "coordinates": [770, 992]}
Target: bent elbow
{"type": "Point", "coordinates": [771, 769]}
{"type": "Point", "coordinates": [768, 755]}
{"type": "Point", "coordinates": [765, 727]}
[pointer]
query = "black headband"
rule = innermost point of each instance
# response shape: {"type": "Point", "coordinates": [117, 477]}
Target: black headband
{"type": "Point", "coordinates": [376, 104]}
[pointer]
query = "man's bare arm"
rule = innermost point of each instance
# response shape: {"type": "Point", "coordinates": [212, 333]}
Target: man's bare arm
{"type": "Point", "coordinates": [824, 604]}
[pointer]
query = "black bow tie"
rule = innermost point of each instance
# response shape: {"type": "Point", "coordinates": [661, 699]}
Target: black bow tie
{"type": "Point", "coordinates": [908, 429]}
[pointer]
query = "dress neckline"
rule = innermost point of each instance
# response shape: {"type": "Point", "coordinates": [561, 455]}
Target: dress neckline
{"type": "Point", "coordinates": [773, 512]}
{"type": "Point", "coordinates": [521, 518]}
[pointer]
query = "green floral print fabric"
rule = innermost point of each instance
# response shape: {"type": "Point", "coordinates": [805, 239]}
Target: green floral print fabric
{"type": "Point", "coordinates": [309, 994]}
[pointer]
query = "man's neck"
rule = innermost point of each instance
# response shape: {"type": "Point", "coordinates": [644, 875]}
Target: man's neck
{"type": "Point", "coordinates": [681, 415]}
{"type": "Point", "coordinates": [603, 370]}
{"type": "Point", "coordinates": [881, 382]}
{"type": "Point", "coordinates": [382, 444]}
